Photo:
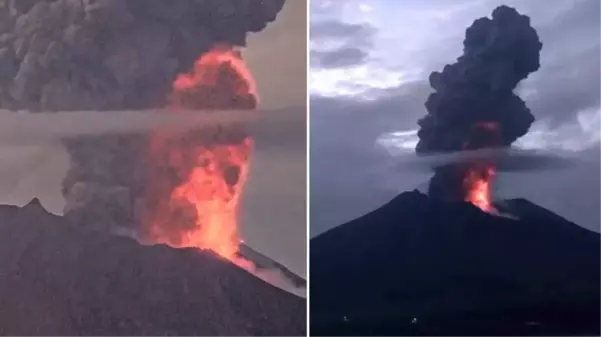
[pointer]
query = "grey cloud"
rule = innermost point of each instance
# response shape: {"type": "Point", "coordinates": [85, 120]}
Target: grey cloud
{"type": "Point", "coordinates": [344, 131]}
{"type": "Point", "coordinates": [338, 58]}
{"type": "Point", "coordinates": [353, 43]}
{"type": "Point", "coordinates": [333, 29]}
{"type": "Point", "coordinates": [580, 20]}
{"type": "Point", "coordinates": [567, 88]}
{"type": "Point", "coordinates": [392, 109]}
{"type": "Point", "coordinates": [345, 160]}
{"type": "Point", "coordinates": [323, 8]}
{"type": "Point", "coordinates": [567, 82]}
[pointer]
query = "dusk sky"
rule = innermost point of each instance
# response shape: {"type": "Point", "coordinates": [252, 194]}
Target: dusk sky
{"type": "Point", "coordinates": [370, 62]}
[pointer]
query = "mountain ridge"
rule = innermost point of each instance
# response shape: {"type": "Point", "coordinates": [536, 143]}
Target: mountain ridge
{"type": "Point", "coordinates": [418, 257]}
{"type": "Point", "coordinates": [62, 280]}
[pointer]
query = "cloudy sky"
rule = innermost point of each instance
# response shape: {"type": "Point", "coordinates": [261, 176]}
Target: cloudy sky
{"type": "Point", "coordinates": [370, 61]}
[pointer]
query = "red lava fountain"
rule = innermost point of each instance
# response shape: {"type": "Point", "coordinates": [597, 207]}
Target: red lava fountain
{"type": "Point", "coordinates": [477, 184]}
{"type": "Point", "coordinates": [478, 177]}
{"type": "Point", "coordinates": [196, 180]}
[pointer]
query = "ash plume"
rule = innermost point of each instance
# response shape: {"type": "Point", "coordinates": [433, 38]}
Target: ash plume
{"type": "Point", "coordinates": [115, 55]}
{"type": "Point", "coordinates": [477, 90]}
{"type": "Point", "coordinates": [112, 54]}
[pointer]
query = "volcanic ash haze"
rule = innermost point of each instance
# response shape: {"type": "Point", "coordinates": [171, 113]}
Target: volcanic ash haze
{"type": "Point", "coordinates": [474, 105]}
{"type": "Point", "coordinates": [106, 55]}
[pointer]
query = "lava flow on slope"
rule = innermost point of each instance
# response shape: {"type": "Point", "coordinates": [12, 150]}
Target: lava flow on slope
{"type": "Point", "coordinates": [196, 180]}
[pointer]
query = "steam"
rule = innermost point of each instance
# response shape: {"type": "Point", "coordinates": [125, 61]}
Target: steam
{"type": "Point", "coordinates": [474, 104]}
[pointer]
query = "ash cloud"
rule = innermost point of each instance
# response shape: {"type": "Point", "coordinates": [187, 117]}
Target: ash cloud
{"type": "Point", "coordinates": [474, 105]}
{"type": "Point", "coordinates": [115, 55]}
{"type": "Point", "coordinates": [498, 53]}
{"type": "Point", "coordinates": [112, 54]}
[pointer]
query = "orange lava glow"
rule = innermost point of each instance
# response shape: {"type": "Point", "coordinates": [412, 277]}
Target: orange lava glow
{"type": "Point", "coordinates": [477, 183]}
{"type": "Point", "coordinates": [220, 79]}
{"type": "Point", "coordinates": [198, 181]}
{"type": "Point", "coordinates": [478, 177]}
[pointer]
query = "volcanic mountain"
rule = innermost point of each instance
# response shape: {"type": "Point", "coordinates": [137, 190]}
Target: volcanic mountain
{"type": "Point", "coordinates": [424, 266]}
{"type": "Point", "coordinates": [60, 279]}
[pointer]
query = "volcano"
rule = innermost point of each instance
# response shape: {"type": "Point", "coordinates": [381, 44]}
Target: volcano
{"type": "Point", "coordinates": [60, 279]}
{"type": "Point", "coordinates": [425, 266]}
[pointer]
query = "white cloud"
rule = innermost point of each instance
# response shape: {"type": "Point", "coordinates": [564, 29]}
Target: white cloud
{"type": "Point", "coordinates": [355, 81]}
{"type": "Point", "coordinates": [399, 45]}
{"type": "Point", "coordinates": [365, 8]}
{"type": "Point", "coordinates": [576, 136]}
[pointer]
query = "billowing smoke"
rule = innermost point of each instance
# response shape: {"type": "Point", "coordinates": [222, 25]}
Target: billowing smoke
{"type": "Point", "coordinates": [474, 105]}
{"type": "Point", "coordinates": [109, 55]}
{"type": "Point", "coordinates": [112, 54]}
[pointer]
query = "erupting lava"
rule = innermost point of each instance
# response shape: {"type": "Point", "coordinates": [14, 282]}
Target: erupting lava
{"type": "Point", "coordinates": [220, 80]}
{"type": "Point", "coordinates": [477, 184]}
{"type": "Point", "coordinates": [197, 179]}
{"type": "Point", "coordinates": [478, 177]}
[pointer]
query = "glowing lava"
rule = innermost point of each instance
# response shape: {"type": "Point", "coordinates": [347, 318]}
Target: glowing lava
{"type": "Point", "coordinates": [477, 181]}
{"type": "Point", "coordinates": [197, 179]}
{"type": "Point", "coordinates": [477, 184]}
{"type": "Point", "coordinates": [220, 80]}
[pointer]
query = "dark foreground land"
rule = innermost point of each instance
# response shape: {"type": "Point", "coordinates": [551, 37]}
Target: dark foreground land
{"type": "Point", "coordinates": [60, 280]}
{"type": "Point", "coordinates": [418, 266]}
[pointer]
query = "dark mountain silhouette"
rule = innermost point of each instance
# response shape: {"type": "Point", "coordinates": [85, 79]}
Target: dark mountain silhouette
{"type": "Point", "coordinates": [421, 266]}
{"type": "Point", "coordinates": [56, 279]}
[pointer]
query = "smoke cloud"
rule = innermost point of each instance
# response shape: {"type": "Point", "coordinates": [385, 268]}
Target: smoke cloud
{"type": "Point", "coordinates": [112, 54]}
{"type": "Point", "coordinates": [498, 53]}
{"type": "Point", "coordinates": [473, 105]}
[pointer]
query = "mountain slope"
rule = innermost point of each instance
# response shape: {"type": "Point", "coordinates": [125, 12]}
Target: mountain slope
{"type": "Point", "coordinates": [60, 280]}
{"type": "Point", "coordinates": [422, 266]}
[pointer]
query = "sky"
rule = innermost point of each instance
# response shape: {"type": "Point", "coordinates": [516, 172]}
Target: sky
{"type": "Point", "coordinates": [370, 62]}
{"type": "Point", "coordinates": [277, 56]}
{"type": "Point", "coordinates": [273, 204]}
